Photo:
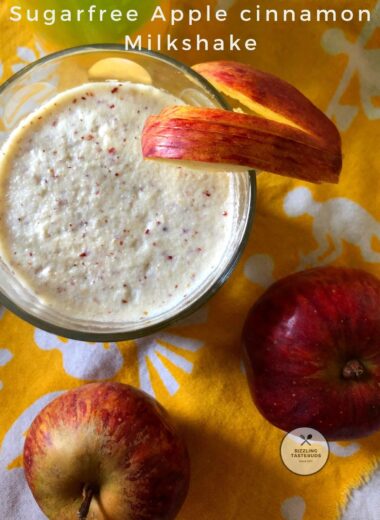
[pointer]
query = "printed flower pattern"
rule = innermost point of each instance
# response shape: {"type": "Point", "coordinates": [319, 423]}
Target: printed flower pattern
{"type": "Point", "coordinates": [86, 361]}
{"type": "Point", "coordinates": [363, 63]}
{"type": "Point", "coordinates": [29, 93]}
{"type": "Point", "coordinates": [5, 357]}
{"type": "Point", "coordinates": [27, 56]}
{"type": "Point", "coordinates": [153, 350]}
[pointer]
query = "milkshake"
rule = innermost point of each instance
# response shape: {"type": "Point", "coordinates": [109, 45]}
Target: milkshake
{"type": "Point", "coordinates": [92, 229]}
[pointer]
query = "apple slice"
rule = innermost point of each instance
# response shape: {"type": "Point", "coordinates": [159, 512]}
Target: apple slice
{"type": "Point", "coordinates": [270, 97]}
{"type": "Point", "coordinates": [288, 136]}
{"type": "Point", "coordinates": [120, 69]}
{"type": "Point", "coordinates": [227, 138]}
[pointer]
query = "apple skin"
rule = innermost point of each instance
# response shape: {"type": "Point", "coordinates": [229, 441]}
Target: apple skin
{"type": "Point", "coordinates": [114, 438]}
{"type": "Point", "coordinates": [220, 136]}
{"type": "Point", "coordinates": [283, 131]}
{"type": "Point", "coordinates": [304, 340]}
{"type": "Point", "coordinates": [270, 97]}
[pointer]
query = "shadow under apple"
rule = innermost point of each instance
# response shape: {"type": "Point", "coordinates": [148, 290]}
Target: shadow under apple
{"type": "Point", "coordinates": [235, 480]}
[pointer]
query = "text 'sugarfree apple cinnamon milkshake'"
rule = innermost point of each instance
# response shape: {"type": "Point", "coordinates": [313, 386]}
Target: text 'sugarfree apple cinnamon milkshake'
{"type": "Point", "coordinates": [91, 228]}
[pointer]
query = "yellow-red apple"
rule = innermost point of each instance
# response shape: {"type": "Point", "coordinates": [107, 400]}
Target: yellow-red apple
{"type": "Point", "coordinates": [106, 451]}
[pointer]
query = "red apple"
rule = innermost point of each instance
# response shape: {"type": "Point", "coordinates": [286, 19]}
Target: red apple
{"type": "Point", "coordinates": [109, 451]}
{"type": "Point", "coordinates": [312, 348]}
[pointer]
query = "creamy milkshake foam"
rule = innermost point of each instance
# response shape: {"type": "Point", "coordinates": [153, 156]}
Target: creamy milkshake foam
{"type": "Point", "coordinates": [93, 229]}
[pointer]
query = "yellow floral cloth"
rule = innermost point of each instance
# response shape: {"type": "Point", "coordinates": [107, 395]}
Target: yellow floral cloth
{"type": "Point", "coordinates": [195, 370]}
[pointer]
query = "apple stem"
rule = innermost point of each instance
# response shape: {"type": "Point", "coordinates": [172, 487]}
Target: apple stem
{"type": "Point", "coordinates": [353, 369]}
{"type": "Point", "coordinates": [88, 493]}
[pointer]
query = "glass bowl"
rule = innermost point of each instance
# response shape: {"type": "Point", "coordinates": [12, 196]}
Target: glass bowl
{"type": "Point", "coordinates": [39, 82]}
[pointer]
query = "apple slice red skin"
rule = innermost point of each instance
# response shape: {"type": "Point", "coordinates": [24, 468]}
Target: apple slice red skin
{"type": "Point", "coordinates": [297, 339]}
{"type": "Point", "coordinates": [292, 137]}
{"type": "Point", "coordinates": [219, 136]}
{"type": "Point", "coordinates": [151, 459]}
{"type": "Point", "coordinates": [241, 81]}
{"type": "Point", "coordinates": [278, 153]}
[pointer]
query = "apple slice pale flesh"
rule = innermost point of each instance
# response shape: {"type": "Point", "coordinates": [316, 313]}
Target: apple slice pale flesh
{"type": "Point", "coordinates": [288, 136]}
{"type": "Point", "coordinates": [270, 97]}
{"type": "Point", "coordinates": [119, 69]}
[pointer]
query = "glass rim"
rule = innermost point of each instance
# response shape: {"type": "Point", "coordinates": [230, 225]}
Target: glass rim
{"type": "Point", "coordinates": [216, 285]}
